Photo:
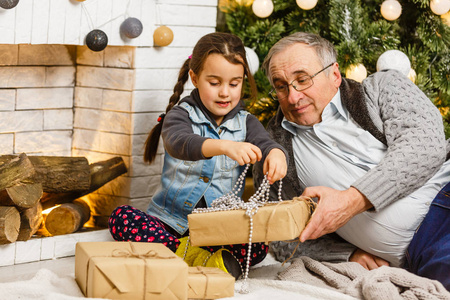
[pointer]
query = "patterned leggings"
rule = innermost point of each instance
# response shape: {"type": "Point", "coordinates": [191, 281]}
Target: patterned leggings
{"type": "Point", "coordinates": [127, 223]}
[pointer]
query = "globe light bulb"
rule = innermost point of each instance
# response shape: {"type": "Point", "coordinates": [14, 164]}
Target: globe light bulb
{"type": "Point", "coordinates": [356, 72]}
{"type": "Point", "coordinates": [394, 59]}
{"type": "Point", "coordinates": [244, 2]}
{"type": "Point", "coordinates": [252, 59]}
{"type": "Point", "coordinates": [412, 75]}
{"type": "Point", "coordinates": [440, 7]}
{"type": "Point", "coordinates": [306, 4]}
{"type": "Point", "coordinates": [446, 18]}
{"type": "Point", "coordinates": [262, 8]}
{"type": "Point", "coordinates": [391, 10]}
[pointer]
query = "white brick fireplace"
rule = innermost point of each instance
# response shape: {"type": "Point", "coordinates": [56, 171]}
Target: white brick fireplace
{"type": "Point", "coordinates": [57, 97]}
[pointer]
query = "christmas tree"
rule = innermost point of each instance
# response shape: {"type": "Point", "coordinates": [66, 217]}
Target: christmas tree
{"type": "Point", "coordinates": [360, 33]}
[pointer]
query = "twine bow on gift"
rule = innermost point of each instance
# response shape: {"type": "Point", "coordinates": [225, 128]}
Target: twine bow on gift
{"type": "Point", "coordinates": [310, 204]}
{"type": "Point", "coordinates": [133, 253]}
{"type": "Point", "coordinates": [204, 271]}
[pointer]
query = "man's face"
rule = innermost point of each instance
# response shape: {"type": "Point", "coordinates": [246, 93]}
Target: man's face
{"type": "Point", "coordinates": [305, 107]}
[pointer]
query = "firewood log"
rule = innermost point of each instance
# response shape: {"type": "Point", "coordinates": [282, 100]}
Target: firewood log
{"type": "Point", "coordinates": [9, 224]}
{"type": "Point", "coordinates": [21, 195]}
{"type": "Point", "coordinates": [30, 221]}
{"type": "Point", "coordinates": [68, 217]}
{"type": "Point", "coordinates": [100, 173]}
{"type": "Point", "coordinates": [14, 169]}
{"type": "Point", "coordinates": [60, 174]}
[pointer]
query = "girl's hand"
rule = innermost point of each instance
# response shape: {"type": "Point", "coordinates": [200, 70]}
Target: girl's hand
{"type": "Point", "coordinates": [275, 165]}
{"type": "Point", "coordinates": [242, 152]}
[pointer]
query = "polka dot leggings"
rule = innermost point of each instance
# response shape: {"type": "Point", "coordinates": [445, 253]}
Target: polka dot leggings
{"type": "Point", "coordinates": [127, 223]}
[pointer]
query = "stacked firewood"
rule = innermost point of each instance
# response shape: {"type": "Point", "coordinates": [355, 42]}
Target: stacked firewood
{"type": "Point", "coordinates": [30, 184]}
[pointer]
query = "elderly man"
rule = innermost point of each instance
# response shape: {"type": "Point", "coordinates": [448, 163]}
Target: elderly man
{"type": "Point", "coordinates": [373, 155]}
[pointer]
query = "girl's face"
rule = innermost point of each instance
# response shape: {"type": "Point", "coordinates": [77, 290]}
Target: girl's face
{"type": "Point", "coordinates": [219, 85]}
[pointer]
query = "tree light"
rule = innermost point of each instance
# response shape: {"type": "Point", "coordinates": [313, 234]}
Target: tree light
{"type": "Point", "coordinates": [306, 4]}
{"type": "Point", "coordinates": [394, 59]}
{"type": "Point", "coordinates": [391, 9]}
{"type": "Point", "coordinates": [262, 8]}
{"type": "Point", "coordinates": [412, 75]}
{"type": "Point", "coordinates": [356, 72]}
{"type": "Point", "coordinates": [440, 7]}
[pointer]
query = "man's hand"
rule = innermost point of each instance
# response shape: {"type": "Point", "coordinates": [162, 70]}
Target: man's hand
{"type": "Point", "coordinates": [334, 209]}
{"type": "Point", "coordinates": [367, 260]}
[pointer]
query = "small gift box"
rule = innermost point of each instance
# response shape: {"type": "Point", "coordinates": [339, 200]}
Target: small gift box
{"type": "Point", "coordinates": [275, 221]}
{"type": "Point", "coordinates": [209, 283]}
{"type": "Point", "coordinates": [126, 270]}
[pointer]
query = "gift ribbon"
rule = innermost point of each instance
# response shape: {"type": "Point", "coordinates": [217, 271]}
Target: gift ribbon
{"type": "Point", "coordinates": [309, 202]}
{"type": "Point", "coordinates": [311, 205]}
{"type": "Point", "coordinates": [204, 271]}
{"type": "Point", "coordinates": [133, 254]}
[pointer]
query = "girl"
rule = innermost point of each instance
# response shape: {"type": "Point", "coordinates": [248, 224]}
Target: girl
{"type": "Point", "coordinates": [208, 138]}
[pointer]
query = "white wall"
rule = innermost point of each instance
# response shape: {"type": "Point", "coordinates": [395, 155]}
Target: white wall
{"type": "Point", "coordinates": [69, 21]}
{"type": "Point", "coordinates": [105, 103]}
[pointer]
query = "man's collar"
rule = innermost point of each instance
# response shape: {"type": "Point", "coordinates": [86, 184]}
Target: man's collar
{"type": "Point", "coordinates": [335, 105]}
{"type": "Point", "coordinates": [336, 102]}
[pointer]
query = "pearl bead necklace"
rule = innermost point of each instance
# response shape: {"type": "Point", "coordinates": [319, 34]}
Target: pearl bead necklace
{"type": "Point", "coordinates": [231, 201]}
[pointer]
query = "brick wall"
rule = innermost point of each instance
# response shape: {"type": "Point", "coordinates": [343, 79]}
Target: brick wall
{"type": "Point", "coordinates": [36, 99]}
{"type": "Point", "coordinates": [57, 97]}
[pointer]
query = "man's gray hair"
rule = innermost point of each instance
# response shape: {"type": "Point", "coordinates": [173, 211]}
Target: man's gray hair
{"type": "Point", "coordinates": [324, 49]}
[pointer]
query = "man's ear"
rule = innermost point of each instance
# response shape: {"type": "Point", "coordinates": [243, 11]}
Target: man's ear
{"type": "Point", "coordinates": [194, 78]}
{"type": "Point", "coordinates": [336, 75]}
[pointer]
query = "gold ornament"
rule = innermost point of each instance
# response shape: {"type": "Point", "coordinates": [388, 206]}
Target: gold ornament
{"type": "Point", "coordinates": [163, 36]}
{"type": "Point", "coordinates": [356, 72]}
{"type": "Point", "coordinates": [391, 10]}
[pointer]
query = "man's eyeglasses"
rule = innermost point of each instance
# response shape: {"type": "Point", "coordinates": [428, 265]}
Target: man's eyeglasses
{"type": "Point", "coordinates": [280, 92]}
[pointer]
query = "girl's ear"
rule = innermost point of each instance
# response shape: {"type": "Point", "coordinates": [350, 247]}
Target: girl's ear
{"type": "Point", "coordinates": [194, 78]}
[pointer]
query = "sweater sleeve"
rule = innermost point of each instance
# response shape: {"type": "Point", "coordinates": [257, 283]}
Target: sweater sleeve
{"type": "Point", "coordinates": [415, 139]}
{"type": "Point", "coordinates": [257, 135]}
{"type": "Point", "coordinates": [179, 139]}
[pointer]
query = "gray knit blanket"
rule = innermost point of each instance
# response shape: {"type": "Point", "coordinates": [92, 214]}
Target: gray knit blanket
{"type": "Point", "coordinates": [384, 283]}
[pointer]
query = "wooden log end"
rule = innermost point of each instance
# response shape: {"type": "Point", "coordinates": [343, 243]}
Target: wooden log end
{"type": "Point", "coordinates": [9, 224]}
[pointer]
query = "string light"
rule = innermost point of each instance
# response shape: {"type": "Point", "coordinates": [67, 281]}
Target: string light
{"type": "Point", "coordinates": [8, 4]}
{"type": "Point", "coordinates": [262, 8]}
{"type": "Point", "coordinates": [97, 40]}
{"type": "Point", "coordinates": [391, 10]}
{"type": "Point", "coordinates": [440, 7]}
{"type": "Point", "coordinates": [306, 4]}
{"type": "Point", "coordinates": [356, 72]}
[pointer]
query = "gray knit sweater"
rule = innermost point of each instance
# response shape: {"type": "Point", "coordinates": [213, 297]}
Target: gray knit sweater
{"type": "Point", "coordinates": [396, 112]}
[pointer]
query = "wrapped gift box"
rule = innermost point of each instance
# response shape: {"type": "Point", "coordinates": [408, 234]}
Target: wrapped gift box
{"type": "Point", "coordinates": [125, 270]}
{"type": "Point", "coordinates": [278, 221]}
{"type": "Point", "coordinates": [209, 283]}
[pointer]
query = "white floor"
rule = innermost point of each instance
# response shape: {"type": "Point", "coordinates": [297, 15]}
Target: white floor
{"type": "Point", "coordinates": [60, 266]}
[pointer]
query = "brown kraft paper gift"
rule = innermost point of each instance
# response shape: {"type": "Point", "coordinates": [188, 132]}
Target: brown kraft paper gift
{"type": "Point", "coordinates": [209, 283]}
{"type": "Point", "coordinates": [126, 270]}
{"type": "Point", "coordinates": [278, 221]}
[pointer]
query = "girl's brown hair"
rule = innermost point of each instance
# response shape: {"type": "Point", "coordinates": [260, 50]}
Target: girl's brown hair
{"type": "Point", "coordinates": [226, 44]}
